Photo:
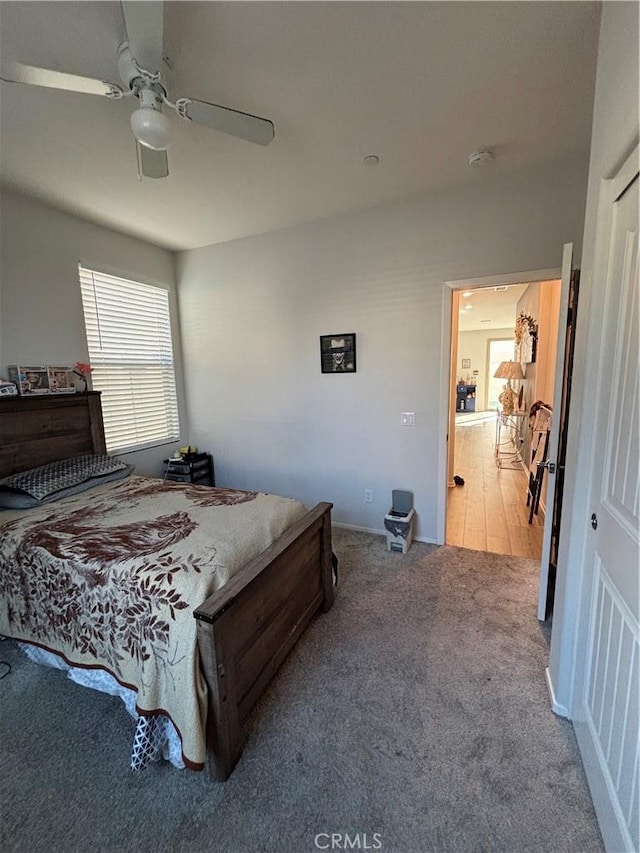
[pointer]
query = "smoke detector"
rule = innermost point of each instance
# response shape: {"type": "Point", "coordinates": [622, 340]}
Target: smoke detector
{"type": "Point", "coordinates": [480, 158]}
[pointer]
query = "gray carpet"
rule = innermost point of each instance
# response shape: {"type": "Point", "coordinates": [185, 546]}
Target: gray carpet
{"type": "Point", "coordinates": [416, 709]}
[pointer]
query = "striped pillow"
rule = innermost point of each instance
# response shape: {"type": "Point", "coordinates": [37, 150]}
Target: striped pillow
{"type": "Point", "coordinates": [45, 480]}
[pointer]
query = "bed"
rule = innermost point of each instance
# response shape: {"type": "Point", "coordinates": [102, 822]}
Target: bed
{"type": "Point", "coordinates": [243, 630]}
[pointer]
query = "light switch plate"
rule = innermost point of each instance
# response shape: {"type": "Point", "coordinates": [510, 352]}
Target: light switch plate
{"type": "Point", "coordinates": [408, 418]}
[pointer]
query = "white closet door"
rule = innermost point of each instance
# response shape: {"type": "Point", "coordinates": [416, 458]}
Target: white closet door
{"type": "Point", "coordinates": [607, 710]}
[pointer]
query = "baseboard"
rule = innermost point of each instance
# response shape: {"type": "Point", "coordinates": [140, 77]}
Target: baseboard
{"type": "Point", "coordinates": [556, 707]}
{"type": "Point", "coordinates": [360, 529]}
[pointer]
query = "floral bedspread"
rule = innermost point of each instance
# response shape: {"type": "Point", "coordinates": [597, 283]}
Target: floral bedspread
{"type": "Point", "coordinates": [110, 579]}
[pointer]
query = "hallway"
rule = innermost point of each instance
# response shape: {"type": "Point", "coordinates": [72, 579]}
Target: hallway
{"type": "Point", "coordinates": [490, 512]}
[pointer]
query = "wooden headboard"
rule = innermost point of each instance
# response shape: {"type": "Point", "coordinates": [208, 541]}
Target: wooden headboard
{"type": "Point", "coordinates": [40, 429]}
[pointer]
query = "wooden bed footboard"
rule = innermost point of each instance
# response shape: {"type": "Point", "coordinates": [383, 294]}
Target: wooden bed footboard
{"type": "Point", "coordinates": [246, 629]}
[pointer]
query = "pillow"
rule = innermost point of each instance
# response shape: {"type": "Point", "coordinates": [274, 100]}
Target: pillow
{"type": "Point", "coordinates": [60, 479]}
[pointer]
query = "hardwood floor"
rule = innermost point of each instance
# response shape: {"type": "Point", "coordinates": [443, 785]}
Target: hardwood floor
{"type": "Point", "coordinates": [490, 512]}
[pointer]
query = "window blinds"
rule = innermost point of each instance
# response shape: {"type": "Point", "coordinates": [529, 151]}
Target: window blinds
{"type": "Point", "coordinates": [129, 337]}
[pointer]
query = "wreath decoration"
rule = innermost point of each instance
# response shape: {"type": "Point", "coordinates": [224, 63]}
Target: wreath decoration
{"type": "Point", "coordinates": [525, 325]}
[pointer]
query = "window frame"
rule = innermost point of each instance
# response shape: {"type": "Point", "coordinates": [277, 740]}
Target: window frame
{"type": "Point", "coordinates": [170, 410]}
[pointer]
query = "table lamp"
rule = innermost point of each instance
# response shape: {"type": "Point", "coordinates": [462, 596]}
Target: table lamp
{"type": "Point", "coordinates": [508, 370]}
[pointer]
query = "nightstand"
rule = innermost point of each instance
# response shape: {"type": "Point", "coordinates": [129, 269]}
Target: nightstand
{"type": "Point", "coordinates": [195, 468]}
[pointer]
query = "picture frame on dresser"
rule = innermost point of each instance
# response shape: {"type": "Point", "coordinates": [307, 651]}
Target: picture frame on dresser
{"type": "Point", "coordinates": [30, 380]}
{"type": "Point", "coordinates": [61, 379]}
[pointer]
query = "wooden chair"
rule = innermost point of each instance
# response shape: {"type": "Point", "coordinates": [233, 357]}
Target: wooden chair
{"type": "Point", "coordinates": [539, 451]}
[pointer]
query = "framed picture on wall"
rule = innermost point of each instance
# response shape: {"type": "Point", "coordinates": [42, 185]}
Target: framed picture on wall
{"type": "Point", "coordinates": [338, 353]}
{"type": "Point", "coordinates": [534, 343]}
{"type": "Point", "coordinates": [528, 345]}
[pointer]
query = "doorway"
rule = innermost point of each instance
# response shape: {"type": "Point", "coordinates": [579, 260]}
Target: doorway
{"type": "Point", "coordinates": [489, 512]}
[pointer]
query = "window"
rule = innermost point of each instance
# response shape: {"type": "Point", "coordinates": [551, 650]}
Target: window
{"type": "Point", "coordinates": [500, 349]}
{"type": "Point", "coordinates": [129, 337]}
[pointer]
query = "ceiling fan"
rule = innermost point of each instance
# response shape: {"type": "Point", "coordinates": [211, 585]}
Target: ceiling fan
{"type": "Point", "coordinates": [140, 65]}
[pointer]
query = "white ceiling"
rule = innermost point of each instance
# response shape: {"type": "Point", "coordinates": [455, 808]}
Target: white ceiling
{"type": "Point", "coordinates": [490, 308]}
{"type": "Point", "coordinates": [420, 84]}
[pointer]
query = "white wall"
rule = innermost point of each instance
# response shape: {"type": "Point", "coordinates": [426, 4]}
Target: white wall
{"type": "Point", "coordinates": [252, 311]}
{"type": "Point", "coordinates": [529, 304]}
{"type": "Point", "coordinates": [548, 338]}
{"type": "Point", "coordinates": [41, 319]}
{"type": "Point", "coordinates": [541, 300]}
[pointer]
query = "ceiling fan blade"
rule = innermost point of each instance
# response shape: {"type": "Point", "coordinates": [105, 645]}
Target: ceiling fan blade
{"type": "Point", "coordinates": [15, 72]}
{"type": "Point", "coordinates": [246, 126]}
{"type": "Point", "coordinates": [143, 22]}
{"type": "Point", "coordinates": [152, 163]}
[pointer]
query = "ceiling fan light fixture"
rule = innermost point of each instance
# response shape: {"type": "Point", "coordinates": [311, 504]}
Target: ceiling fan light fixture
{"type": "Point", "coordinates": [151, 128]}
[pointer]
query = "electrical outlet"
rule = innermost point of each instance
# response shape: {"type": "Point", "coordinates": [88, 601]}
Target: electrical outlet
{"type": "Point", "coordinates": [368, 496]}
{"type": "Point", "coordinates": [408, 418]}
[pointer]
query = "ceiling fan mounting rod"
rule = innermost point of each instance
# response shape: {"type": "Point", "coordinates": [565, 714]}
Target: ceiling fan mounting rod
{"type": "Point", "coordinates": [151, 76]}
{"type": "Point", "coordinates": [133, 75]}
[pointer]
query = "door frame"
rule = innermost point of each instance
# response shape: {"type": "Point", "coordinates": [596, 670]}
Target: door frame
{"type": "Point", "coordinates": [446, 426]}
